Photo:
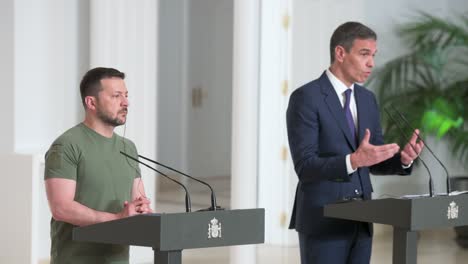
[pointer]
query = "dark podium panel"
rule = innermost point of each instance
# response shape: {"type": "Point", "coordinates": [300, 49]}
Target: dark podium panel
{"type": "Point", "coordinates": [407, 216]}
{"type": "Point", "coordinates": [169, 234]}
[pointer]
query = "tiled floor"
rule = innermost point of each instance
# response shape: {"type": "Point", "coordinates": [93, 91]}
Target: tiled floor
{"type": "Point", "coordinates": [434, 247]}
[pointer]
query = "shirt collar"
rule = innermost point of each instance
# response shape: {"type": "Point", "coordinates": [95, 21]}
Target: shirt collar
{"type": "Point", "coordinates": [337, 84]}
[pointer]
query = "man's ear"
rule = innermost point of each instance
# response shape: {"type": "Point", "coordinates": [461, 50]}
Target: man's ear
{"type": "Point", "coordinates": [339, 53]}
{"type": "Point", "coordinates": [90, 102]}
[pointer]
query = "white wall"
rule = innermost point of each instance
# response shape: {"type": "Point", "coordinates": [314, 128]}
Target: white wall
{"type": "Point", "coordinates": [7, 76]}
{"type": "Point", "coordinates": [50, 55]}
{"type": "Point", "coordinates": [313, 25]}
{"type": "Point", "coordinates": [16, 221]}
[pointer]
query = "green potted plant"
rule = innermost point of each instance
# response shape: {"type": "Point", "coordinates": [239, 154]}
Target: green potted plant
{"type": "Point", "coordinates": [429, 85]}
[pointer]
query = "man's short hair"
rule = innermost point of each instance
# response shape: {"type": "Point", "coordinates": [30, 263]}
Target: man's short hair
{"type": "Point", "coordinates": [91, 83]}
{"type": "Point", "coordinates": [345, 35]}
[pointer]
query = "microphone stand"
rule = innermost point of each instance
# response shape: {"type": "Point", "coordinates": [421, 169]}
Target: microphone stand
{"type": "Point", "coordinates": [188, 203]}
{"type": "Point", "coordinates": [430, 150]}
{"type": "Point", "coordinates": [431, 184]}
{"type": "Point", "coordinates": [213, 207]}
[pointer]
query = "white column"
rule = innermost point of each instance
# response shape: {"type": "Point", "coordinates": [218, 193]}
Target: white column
{"type": "Point", "coordinates": [124, 36]}
{"type": "Point", "coordinates": [245, 115]}
{"type": "Point", "coordinates": [275, 187]}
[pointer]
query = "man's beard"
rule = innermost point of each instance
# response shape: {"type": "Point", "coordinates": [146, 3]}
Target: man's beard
{"type": "Point", "coordinates": [106, 119]}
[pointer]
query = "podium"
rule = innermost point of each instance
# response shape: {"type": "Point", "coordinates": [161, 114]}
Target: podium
{"type": "Point", "coordinates": [407, 216]}
{"type": "Point", "coordinates": [169, 234]}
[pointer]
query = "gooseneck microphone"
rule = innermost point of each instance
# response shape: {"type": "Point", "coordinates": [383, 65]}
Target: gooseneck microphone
{"type": "Point", "coordinates": [447, 177]}
{"type": "Point", "coordinates": [431, 183]}
{"type": "Point", "coordinates": [213, 207]}
{"type": "Point", "coordinates": [188, 203]}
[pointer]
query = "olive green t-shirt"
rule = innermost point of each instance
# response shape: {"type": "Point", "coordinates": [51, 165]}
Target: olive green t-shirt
{"type": "Point", "coordinates": [104, 179]}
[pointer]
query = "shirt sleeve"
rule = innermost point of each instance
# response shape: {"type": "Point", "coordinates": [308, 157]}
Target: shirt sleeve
{"type": "Point", "coordinates": [133, 152]}
{"type": "Point", "coordinates": [349, 168]}
{"type": "Point", "coordinates": [60, 162]}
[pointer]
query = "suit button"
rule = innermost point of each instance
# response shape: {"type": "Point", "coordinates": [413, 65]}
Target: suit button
{"type": "Point", "coordinates": [356, 191]}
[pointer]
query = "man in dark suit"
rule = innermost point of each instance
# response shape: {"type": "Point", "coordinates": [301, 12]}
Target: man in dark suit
{"type": "Point", "coordinates": [336, 139]}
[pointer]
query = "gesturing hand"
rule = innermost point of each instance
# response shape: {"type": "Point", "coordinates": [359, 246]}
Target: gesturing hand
{"type": "Point", "coordinates": [367, 154]}
{"type": "Point", "coordinates": [412, 149]}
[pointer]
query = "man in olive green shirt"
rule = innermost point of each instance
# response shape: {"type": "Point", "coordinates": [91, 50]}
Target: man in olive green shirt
{"type": "Point", "coordinates": [87, 180]}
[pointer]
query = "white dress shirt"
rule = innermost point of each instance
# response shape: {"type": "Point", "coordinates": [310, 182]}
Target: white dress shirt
{"type": "Point", "coordinates": [340, 89]}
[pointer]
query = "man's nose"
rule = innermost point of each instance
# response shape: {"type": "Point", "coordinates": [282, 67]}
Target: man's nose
{"type": "Point", "coordinates": [370, 62]}
{"type": "Point", "coordinates": [125, 101]}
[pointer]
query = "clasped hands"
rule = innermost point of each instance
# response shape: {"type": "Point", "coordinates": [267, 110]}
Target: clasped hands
{"type": "Point", "coordinates": [367, 154]}
{"type": "Point", "coordinates": [140, 205]}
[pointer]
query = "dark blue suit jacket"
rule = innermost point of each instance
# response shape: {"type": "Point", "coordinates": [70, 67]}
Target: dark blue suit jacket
{"type": "Point", "coordinates": [320, 139]}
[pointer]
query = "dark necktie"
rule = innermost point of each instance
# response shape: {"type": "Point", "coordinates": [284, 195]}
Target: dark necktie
{"type": "Point", "coordinates": [349, 116]}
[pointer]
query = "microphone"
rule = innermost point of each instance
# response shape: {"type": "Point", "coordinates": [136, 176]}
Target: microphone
{"type": "Point", "coordinates": [213, 207]}
{"type": "Point", "coordinates": [431, 184]}
{"type": "Point", "coordinates": [188, 203]}
{"type": "Point", "coordinates": [447, 177]}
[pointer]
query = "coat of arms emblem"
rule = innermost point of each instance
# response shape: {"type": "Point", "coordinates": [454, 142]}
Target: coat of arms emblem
{"type": "Point", "coordinates": [214, 228]}
{"type": "Point", "coordinates": [452, 211]}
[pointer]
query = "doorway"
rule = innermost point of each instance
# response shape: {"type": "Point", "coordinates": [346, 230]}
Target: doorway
{"type": "Point", "coordinates": [195, 96]}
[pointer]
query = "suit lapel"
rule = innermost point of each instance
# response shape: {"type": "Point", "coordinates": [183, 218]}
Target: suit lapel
{"type": "Point", "coordinates": [334, 105]}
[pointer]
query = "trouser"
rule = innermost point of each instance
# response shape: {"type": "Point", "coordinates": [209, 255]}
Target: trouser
{"type": "Point", "coordinates": [354, 248]}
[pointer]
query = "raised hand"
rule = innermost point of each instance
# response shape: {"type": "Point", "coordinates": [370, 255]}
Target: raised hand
{"type": "Point", "coordinates": [412, 149]}
{"type": "Point", "coordinates": [367, 154]}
